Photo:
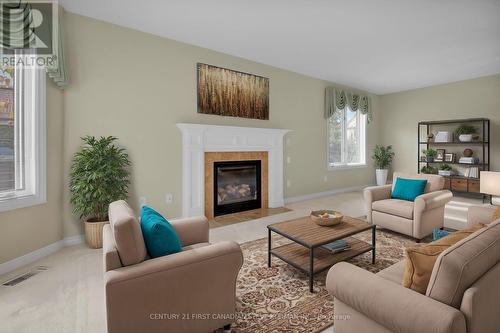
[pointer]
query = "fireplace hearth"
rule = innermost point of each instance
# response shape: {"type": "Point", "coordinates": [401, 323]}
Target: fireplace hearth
{"type": "Point", "coordinates": [236, 186]}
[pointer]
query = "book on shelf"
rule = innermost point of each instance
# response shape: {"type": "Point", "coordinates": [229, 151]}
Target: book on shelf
{"type": "Point", "coordinates": [468, 160]}
{"type": "Point", "coordinates": [337, 246]}
{"type": "Point", "coordinates": [472, 172]}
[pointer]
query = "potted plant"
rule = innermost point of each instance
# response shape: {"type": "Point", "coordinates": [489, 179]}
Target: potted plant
{"type": "Point", "coordinates": [99, 175]}
{"type": "Point", "coordinates": [430, 154]}
{"type": "Point", "coordinates": [429, 170]}
{"type": "Point", "coordinates": [445, 170]}
{"type": "Point", "coordinates": [382, 156]}
{"type": "Point", "coordinates": [465, 132]}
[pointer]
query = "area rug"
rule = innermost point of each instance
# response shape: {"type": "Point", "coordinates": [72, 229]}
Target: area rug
{"type": "Point", "coordinates": [277, 299]}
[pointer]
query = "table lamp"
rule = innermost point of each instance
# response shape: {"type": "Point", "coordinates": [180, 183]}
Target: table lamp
{"type": "Point", "coordinates": [490, 184]}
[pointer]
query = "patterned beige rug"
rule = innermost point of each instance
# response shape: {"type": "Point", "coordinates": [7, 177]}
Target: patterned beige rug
{"type": "Point", "coordinates": [277, 299]}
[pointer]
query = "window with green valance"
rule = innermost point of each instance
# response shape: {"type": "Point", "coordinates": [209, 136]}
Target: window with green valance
{"type": "Point", "coordinates": [337, 99]}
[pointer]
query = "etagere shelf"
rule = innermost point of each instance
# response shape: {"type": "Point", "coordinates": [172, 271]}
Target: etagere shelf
{"type": "Point", "coordinates": [481, 147]}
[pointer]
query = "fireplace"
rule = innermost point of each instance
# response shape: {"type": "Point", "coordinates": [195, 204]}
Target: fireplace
{"type": "Point", "coordinates": [236, 186]}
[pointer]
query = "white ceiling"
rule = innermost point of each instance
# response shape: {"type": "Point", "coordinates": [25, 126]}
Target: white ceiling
{"type": "Point", "coordinates": [381, 46]}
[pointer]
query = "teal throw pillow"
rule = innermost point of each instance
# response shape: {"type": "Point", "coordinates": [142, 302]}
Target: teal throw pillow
{"type": "Point", "coordinates": [160, 237]}
{"type": "Point", "coordinates": [408, 189]}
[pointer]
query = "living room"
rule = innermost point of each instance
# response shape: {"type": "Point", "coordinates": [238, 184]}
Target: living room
{"type": "Point", "coordinates": [327, 103]}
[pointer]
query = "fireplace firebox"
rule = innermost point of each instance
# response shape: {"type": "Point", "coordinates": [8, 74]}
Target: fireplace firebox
{"type": "Point", "coordinates": [236, 186]}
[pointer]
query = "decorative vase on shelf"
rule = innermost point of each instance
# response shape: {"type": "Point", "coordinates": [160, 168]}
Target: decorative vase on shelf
{"type": "Point", "coordinates": [430, 159]}
{"type": "Point", "coordinates": [465, 137]}
{"type": "Point", "coordinates": [381, 175]}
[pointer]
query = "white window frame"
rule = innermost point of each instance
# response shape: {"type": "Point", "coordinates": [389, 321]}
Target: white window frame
{"type": "Point", "coordinates": [31, 128]}
{"type": "Point", "coordinates": [362, 121]}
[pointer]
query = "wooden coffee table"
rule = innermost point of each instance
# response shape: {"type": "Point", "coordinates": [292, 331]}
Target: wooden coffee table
{"type": "Point", "coordinates": [306, 253]}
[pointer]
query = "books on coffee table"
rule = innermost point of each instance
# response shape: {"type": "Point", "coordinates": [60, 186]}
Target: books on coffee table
{"type": "Point", "coordinates": [337, 246]}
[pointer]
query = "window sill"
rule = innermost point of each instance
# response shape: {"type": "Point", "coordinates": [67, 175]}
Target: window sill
{"type": "Point", "coordinates": [16, 202]}
{"type": "Point", "coordinates": [346, 167]}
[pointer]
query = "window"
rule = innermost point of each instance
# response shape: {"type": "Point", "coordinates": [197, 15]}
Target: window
{"type": "Point", "coordinates": [346, 139]}
{"type": "Point", "coordinates": [22, 136]}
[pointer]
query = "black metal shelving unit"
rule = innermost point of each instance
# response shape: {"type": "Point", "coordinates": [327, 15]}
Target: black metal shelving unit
{"type": "Point", "coordinates": [482, 145]}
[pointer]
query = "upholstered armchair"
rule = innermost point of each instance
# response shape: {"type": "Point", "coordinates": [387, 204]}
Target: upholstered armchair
{"type": "Point", "coordinates": [193, 291]}
{"type": "Point", "coordinates": [416, 219]}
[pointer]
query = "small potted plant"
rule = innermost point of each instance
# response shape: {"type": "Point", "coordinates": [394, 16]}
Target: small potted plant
{"type": "Point", "coordinates": [99, 175]}
{"type": "Point", "coordinates": [428, 170]}
{"type": "Point", "coordinates": [382, 156]}
{"type": "Point", "coordinates": [430, 154]}
{"type": "Point", "coordinates": [445, 170]}
{"type": "Point", "coordinates": [466, 132]}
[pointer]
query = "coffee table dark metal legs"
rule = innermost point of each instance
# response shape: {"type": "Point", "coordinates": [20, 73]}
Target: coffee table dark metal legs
{"type": "Point", "coordinates": [374, 229]}
{"type": "Point", "coordinates": [311, 269]}
{"type": "Point", "coordinates": [268, 247]}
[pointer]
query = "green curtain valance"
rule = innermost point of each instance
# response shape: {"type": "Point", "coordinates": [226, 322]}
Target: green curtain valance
{"type": "Point", "coordinates": [16, 33]}
{"type": "Point", "coordinates": [337, 99]}
{"type": "Point", "coordinates": [57, 72]}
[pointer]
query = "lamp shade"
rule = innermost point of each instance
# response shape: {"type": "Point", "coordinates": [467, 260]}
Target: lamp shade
{"type": "Point", "coordinates": [490, 182]}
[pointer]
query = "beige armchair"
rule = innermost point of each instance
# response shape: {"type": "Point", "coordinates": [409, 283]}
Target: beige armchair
{"type": "Point", "coordinates": [190, 291]}
{"type": "Point", "coordinates": [416, 219]}
{"type": "Point", "coordinates": [462, 295]}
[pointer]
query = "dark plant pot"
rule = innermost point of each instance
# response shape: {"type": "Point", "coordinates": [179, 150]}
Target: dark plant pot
{"type": "Point", "coordinates": [430, 159]}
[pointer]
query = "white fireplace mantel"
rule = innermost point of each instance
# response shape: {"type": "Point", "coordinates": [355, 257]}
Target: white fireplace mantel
{"type": "Point", "coordinates": [198, 139]}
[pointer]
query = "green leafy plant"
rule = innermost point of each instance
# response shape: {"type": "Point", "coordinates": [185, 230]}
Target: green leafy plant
{"type": "Point", "coordinates": [98, 176]}
{"type": "Point", "coordinates": [382, 156]}
{"type": "Point", "coordinates": [429, 170]}
{"type": "Point", "coordinates": [466, 129]}
{"type": "Point", "coordinates": [445, 167]}
{"type": "Point", "coordinates": [429, 152]}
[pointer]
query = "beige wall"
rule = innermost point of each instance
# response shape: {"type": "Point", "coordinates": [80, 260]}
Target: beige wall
{"type": "Point", "coordinates": [466, 99]}
{"type": "Point", "coordinates": [28, 229]}
{"type": "Point", "coordinates": [137, 86]}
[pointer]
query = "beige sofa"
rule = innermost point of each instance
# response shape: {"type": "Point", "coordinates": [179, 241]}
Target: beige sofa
{"type": "Point", "coordinates": [191, 291]}
{"type": "Point", "coordinates": [416, 219]}
{"type": "Point", "coordinates": [463, 295]}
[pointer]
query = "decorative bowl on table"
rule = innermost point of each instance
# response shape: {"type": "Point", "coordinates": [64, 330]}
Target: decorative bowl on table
{"type": "Point", "coordinates": [326, 218]}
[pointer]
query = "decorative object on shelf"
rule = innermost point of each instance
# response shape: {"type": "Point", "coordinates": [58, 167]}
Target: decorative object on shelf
{"type": "Point", "coordinates": [94, 184]}
{"type": "Point", "coordinates": [429, 154]}
{"type": "Point", "coordinates": [465, 132]}
{"type": "Point", "coordinates": [449, 157]}
{"type": "Point", "coordinates": [382, 156]}
{"type": "Point", "coordinates": [226, 92]}
{"type": "Point", "coordinates": [443, 136]}
{"type": "Point", "coordinates": [468, 152]}
{"type": "Point", "coordinates": [490, 185]}
{"type": "Point", "coordinates": [430, 137]}
{"type": "Point", "coordinates": [445, 170]}
{"type": "Point", "coordinates": [439, 155]}
{"type": "Point", "coordinates": [326, 218]}
{"type": "Point", "coordinates": [423, 158]}
{"type": "Point", "coordinates": [468, 160]}
{"type": "Point", "coordinates": [428, 170]}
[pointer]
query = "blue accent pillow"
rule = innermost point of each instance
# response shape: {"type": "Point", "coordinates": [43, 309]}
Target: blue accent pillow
{"type": "Point", "coordinates": [408, 189]}
{"type": "Point", "coordinates": [159, 235]}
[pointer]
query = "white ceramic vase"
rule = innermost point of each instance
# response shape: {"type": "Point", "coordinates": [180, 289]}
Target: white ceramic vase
{"type": "Point", "coordinates": [465, 137]}
{"type": "Point", "coordinates": [381, 176]}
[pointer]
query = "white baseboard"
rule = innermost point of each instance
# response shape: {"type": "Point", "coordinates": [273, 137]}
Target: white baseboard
{"type": "Point", "coordinates": [39, 254]}
{"type": "Point", "coordinates": [325, 193]}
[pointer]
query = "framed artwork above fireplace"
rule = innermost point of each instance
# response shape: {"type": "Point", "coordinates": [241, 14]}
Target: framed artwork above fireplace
{"type": "Point", "coordinates": [226, 92]}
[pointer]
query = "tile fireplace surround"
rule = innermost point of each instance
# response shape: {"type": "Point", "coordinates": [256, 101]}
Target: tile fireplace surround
{"type": "Point", "coordinates": [197, 139]}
